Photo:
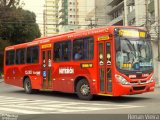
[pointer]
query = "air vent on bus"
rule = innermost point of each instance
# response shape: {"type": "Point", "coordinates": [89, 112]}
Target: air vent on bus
{"type": "Point", "coordinates": [139, 88]}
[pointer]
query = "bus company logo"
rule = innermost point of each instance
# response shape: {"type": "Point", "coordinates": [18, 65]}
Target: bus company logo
{"type": "Point", "coordinates": [67, 70]}
{"type": "Point", "coordinates": [139, 82]}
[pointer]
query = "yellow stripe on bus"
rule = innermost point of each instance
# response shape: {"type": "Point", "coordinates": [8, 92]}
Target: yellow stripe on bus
{"type": "Point", "coordinates": [105, 94]}
{"type": "Point", "coordinates": [46, 46]}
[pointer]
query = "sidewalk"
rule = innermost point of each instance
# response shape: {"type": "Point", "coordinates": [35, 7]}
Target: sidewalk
{"type": "Point", "coordinates": [1, 80]}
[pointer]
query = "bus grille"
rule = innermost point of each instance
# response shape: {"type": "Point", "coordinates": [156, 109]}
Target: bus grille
{"type": "Point", "coordinates": [139, 88]}
{"type": "Point", "coordinates": [142, 81]}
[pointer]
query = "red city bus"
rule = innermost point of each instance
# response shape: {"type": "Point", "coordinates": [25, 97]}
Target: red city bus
{"type": "Point", "coordinates": [108, 61]}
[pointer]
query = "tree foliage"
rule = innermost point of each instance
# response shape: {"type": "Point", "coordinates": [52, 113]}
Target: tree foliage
{"type": "Point", "coordinates": [19, 26]}
{"type": "Point", "coordinates": [16, 24]}
{"type": "Point", "coordinates": [9, 3]}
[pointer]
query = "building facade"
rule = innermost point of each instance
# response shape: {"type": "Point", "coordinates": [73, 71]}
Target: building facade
{"type": "Point", "coordinates": [67, 15]}
{"type": "Point", "coordinates": [115, 12]}
{"type": "Point", "coordinates": [51, 17]}
{"type": "Point", "coordinates": [96, 14]}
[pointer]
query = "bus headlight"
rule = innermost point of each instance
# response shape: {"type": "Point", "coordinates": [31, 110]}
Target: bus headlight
{"type": "Point", "coordinates": [122, 80]}
{"type": "Point", "coordinates": [151, 79]}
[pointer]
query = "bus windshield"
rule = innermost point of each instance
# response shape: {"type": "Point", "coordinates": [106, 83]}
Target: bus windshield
{"type": "Point", "coordinates": [133, 54]}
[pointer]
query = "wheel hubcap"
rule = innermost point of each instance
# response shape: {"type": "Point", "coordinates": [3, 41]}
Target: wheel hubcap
{"type": "Point", "coordinates": [84, 89]}
{"type": "Point", "coordinates": [28, 86]}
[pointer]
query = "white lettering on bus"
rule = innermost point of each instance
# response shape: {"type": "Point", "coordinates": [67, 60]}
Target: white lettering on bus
{"type": "Point", "coordinates": [32, 43]}
{"type": "Point", "coordinates": [67, 70]}
{"type": "Point", "coordinates": [44, 41]}
{"type": "Point", "coordinates": [87, 33]}
{"type": "Point", "coordinates": [28, 72]}
{"type": "Point", "coordinates": [36, 72]}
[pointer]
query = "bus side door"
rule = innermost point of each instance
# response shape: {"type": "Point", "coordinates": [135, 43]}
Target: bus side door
{"type": "Point", "coordinates": [46, 69]}
{"type": "Point", "coordinates": [104, 66]}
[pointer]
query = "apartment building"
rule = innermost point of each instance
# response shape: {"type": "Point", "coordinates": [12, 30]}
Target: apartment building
{"type": "Point", "coordinates": [115, 12]}
{"type": "Point", "coordinates": [96, 14]}
{"type": "Point", "coordinates": [67, 15]}
{"type": "Point", "coordinates": [51, 17]}
{"type": "Point", "coordinates": [153, 22]}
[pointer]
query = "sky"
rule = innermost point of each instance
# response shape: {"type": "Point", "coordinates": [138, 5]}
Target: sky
{"type": "Point", "coordinates": [35, 6]}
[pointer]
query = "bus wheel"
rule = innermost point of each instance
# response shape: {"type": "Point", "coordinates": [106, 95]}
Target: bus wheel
{"type": "Point", "coordinates": [83, 90]}
{"type": "Point", "coordinates": [28, 86]}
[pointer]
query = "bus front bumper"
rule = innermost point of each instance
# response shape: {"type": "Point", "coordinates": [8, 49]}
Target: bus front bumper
{"type": "Point", "coordinates": [133, 89]}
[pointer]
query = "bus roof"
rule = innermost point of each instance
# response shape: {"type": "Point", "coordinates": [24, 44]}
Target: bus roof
{"type": "Point", "coordinates": [69, 35]}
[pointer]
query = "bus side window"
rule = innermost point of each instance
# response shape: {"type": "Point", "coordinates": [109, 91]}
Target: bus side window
{"type": "Point", "coordinates": [62, 51]}
{"type": "Point", "coordinates": [78, 49]}
{"type": "Point", "coordinates": [56, 52]}
{"type": "Point", "coordinates": [83, 49]}
{"type": "Point", "coordinates": [33, 54]}
{"type": "Point", "coordinates": [10, 57]}
{"type": "Point", "coordinates": [20, 56]}
{"type": "Point", "coordinates": [66, 51]}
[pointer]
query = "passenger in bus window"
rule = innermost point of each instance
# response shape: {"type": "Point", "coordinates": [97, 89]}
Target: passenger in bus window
{"type": "Point", "coordinates": [78, 55]}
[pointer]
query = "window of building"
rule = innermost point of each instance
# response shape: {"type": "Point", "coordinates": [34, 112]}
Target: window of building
{"type": "Point", "coordinates": [33, 54]}
{"type": "Point", "coordinates": [62, 51]}
{"type": "Point", "coordinates": [83, 49]}
{"type": "Point", "coordinates": [10, 57]}
{"type": "Point", "coordinates": [115, 14]}
{"type": "Point", "coordinates": [131, 8]}
{"type": "Point", "coordinates": [20, 56]}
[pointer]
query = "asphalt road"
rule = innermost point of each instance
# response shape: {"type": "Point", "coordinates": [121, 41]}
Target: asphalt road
{"type": "Point", "coordinates": [13, 101]}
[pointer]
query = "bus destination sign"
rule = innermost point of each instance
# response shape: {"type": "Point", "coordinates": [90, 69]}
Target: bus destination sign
{"type": "Point", "coordinates": [132, 33]}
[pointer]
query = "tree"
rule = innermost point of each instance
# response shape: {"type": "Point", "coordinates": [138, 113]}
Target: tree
{"type": "Point", "coordinates": [19, 26]}
{"type": "Point", "coordinates": [9, 3]}
{"type": "Point", "coordinates": [3, 44]}
{"type": "Point", "coordinates": [16, 25]}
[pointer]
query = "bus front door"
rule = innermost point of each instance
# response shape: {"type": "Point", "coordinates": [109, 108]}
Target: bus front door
{"type": "Point", "coordinates": [104, 63]}
{"type": "Point", "coordinates": [46, 69]}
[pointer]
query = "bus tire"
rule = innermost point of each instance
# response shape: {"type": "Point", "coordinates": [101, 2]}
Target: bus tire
{"type": "Point", "coordinates": [83, 90]}
{"type": "Point", "coordinates": [28, 86]}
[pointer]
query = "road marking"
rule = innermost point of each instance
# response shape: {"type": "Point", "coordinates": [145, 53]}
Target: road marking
{"type": "Point", "coordinates": [30, 106]}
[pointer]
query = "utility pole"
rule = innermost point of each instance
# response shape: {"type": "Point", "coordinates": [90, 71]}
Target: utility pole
{"type": "Point", "coordinates": [44, 22]}
{"type": "Point", "coordinates": [158, 37]}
